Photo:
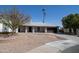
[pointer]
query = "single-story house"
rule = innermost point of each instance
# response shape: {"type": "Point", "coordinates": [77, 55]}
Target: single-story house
{"type": "Point", "coordinates": [38, 27]}
{"type": "Point", "coordinates": [33, 27]}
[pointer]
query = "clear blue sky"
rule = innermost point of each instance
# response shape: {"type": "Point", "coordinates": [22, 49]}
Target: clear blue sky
{"type": "Point", "coordinates": [54, 13]}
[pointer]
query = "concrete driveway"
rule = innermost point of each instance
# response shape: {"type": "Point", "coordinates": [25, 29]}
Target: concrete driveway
{"type": "Point", "coordinates": [70, 45]}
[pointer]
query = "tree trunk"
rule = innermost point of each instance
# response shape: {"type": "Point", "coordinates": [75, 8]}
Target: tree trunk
{"type": "Point", "coordinates": [70, 31]}
{"type": "Point", "coordinates": [75, 32]}
{"type": "Point", "coordinates": [13, 31]}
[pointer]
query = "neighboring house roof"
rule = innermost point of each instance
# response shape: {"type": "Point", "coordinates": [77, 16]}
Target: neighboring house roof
{"type": "Point", "coordinates": [39, 24]}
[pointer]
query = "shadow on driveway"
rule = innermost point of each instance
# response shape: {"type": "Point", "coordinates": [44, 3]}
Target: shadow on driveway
{"type": "Point", "coordinates": [73, 49]}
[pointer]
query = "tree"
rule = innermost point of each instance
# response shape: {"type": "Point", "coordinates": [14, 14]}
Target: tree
{"type": "Point", "coordinates": [13, 19]}
{"type": "Point", "coordinates": [75, 22]}
{"type": "Point", "coordinates": [66, 22]}
{"type": "Point", "coordinates": [71, 21]}
{"type": "Point", "coordinates": [44, 15]}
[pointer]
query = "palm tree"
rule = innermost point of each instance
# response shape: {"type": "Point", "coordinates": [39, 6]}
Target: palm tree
{"type": "Point", "coordinates": [44, 14]}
